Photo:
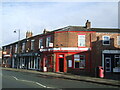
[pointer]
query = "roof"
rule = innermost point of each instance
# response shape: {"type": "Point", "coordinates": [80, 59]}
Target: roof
{"type": "Point", "coordinates": [75, 28]}
{"type": "Point", "coordinates": [80, 28]}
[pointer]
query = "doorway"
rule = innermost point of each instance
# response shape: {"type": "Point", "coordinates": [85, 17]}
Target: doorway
{"type": "Point", "coordinates": [61, 64]}
{"type": "Point", "coordinates": [108, 64]}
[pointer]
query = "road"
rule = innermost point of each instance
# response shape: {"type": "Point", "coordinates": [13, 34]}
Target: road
{"type": "Point", "coordinates": [12, 79]}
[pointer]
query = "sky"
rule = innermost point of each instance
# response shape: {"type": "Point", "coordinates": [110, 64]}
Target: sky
{"type": "Point", "coordinates": [37, 16]}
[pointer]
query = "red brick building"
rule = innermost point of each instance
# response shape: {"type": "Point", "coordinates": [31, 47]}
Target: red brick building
{"type": "Point", "coordinates": [72, 49]}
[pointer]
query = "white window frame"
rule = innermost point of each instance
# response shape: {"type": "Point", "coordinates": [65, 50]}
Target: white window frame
{"type": "Point", "coordinates": [32, 44]}
{"type": "Point", "coordinates": [80, 40]}
{"type": "Point", "coordinates": [80, 61]}
{"type": "Point", "coordinates": [10, 49]}
{"type": "Point", "coordinates": [48, 40]}
{"type": "Point", "coordinates": [4, 48]}
{"type": "Point", "coordinates": [118, 40]}
{"type": "Point", "coordinates": [16, 48]}
{"type": "Point", "coordinates": [117, 56]}
{"type": "Point", "coordinates": [40, 43]}
{"type": "Point", "coordinates": [23, 47]}
{"type": "Point", "coordinates": [105, 40]}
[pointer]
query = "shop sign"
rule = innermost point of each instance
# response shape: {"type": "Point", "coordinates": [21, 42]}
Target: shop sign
{"type": "Point", "coordinates": [50, 44]}
{"type": "Point", "coordinates": [61, 56]}
{"type": "Point", "coordinates": [7, 55]}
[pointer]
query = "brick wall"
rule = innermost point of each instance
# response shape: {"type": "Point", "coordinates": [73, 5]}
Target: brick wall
{"type": "Point", "coordinates": [70, 39]}
{"type": "Point", "coordinates": [98, 47]}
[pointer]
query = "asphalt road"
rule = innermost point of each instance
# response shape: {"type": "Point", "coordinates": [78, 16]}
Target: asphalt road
{"type": "Point", "coordinates": [12, 79]}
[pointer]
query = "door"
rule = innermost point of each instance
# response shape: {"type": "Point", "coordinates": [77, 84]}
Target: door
{"type": "Point", "coordinates": [108, 64]}
{"type": "Point", "coordinates": [61, 64]}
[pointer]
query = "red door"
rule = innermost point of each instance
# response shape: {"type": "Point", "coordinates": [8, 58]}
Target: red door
{"type": "Point", "coordinates": [60, 63]}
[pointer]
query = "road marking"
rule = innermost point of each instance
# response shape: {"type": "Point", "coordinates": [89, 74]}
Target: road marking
{"type": "Point", "coordinates": [32, 82]}
{"type": "Point", "coordinates": [41, 85]}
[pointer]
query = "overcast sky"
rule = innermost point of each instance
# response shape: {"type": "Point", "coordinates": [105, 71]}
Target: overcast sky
{"type": "Point", "coordinates": [35, 16]}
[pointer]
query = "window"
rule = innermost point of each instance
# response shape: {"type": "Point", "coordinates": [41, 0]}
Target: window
{"type": "Point", "coordinates": [79, 61]}
{"type": "Point", "coordinates": [32, 44]}
{"type": "Point", "coordinates": [16, 48]}
{"type": "Point", "coordinates": [81, 40]}
{"type": "Point", "coordinates": [4, 48]}
{"type": "Point", "coordinates": [23, 47]}
{"type": "Point", "coordinates": [118, 40]}
{"type": "Point", "coordinates": [10, 49]}
{"type": "Point", "coordinates": [117, 61]}
{"type": "Point", "coordinates": [48, 40]}
{"type": "Point", "coordinates": [106, 40]}
{"type": "Point", "coordinates": [40, 43]}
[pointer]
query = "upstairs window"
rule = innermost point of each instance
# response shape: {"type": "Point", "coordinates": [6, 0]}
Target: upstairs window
{"type": "Point", "coordinates": [4, 48]}
{"type": "Point", "coordinates": [40, 43]}
{"type": "Point", "coordinates": [32, 44]}
{"type": "Point", "coordinates": [23, 47]}
{"type": "Point", "coordinates": [118, 40]}
{"type": "Point", "coordinates": [48, 41]}
{"type": "Point", "coordinates": [106, 40]}
{"type": "Point", "coordinates": [79, 61]}
{"type": "Point", "coordinates": [81, 40]}
{"type": "Point", "coordinates": [10, 49]}
{"type": "Point", "coordinates": [16, 48]}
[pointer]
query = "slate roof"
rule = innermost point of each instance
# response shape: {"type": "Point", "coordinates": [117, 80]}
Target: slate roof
{"type": "Point", "coordinates": [80, 28]}
{"type": "Point", "coordinates": [77, 28]}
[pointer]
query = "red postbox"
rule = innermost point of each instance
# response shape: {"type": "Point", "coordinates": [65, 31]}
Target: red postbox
{"type": "Point", "coordinates": [101, 71]}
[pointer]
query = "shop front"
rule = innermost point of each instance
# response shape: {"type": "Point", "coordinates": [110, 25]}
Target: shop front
{"type": "Point", "coordinates": [111, 61]}
{"type": "Point", "coordinates": [71, 60]}
{"type": "Point", "coordinates": [6, 62]}
{"type": "Point", "coordinates": [30, 61]}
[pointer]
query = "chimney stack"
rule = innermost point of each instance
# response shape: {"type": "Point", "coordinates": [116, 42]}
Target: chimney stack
{"type": "Point", "coordinates": [29, 34]}
{"type": "Point", "coordinates": [88, 24]}
{"type": "Point", "coordinates": [45, 31]}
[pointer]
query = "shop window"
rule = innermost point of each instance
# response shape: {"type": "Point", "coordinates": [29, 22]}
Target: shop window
{"type": "Point", "coordinates": [117, 61]}
{"type": "Point", "coordinates": [48, 41]}
{"type": "Point", "coordinates": [81, 40]}
{"type": "Point", "coordinates": [79, 61]}
{"type": "Point", "coordinates": [40, 43]}
{"type": "Point", "coordinates": [118, 40]}
{"type": "Point", "coordinates": [106, 40]}
{"type": "Point", "coordinates": [32, 44]}
{"type": "Point", "coordinates": [69, 63]}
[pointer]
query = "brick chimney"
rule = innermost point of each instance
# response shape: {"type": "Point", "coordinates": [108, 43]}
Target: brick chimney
{"type": "Point", "coordinates": [29, 34]}
{"type": "Point", "coordinates": [88, 24]}
{"type": "Point", "coordinates": [45, 31]}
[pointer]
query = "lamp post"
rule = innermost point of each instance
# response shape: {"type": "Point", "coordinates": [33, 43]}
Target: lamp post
{"type": "Point", "coordinates": [18, 49]}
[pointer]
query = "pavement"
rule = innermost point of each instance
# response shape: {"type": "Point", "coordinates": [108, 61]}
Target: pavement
{"type": "Point", "coordinates": [71, 77]}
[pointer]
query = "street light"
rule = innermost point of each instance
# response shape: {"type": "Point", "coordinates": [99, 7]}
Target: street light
{"type": "Point", "coordinates": [18, 49]}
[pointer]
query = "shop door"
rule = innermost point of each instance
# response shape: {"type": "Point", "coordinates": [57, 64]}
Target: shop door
{"type": "Point", "coordinates": [61, 64]}
{"type": "Point", "coordinates": [108, 64]}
